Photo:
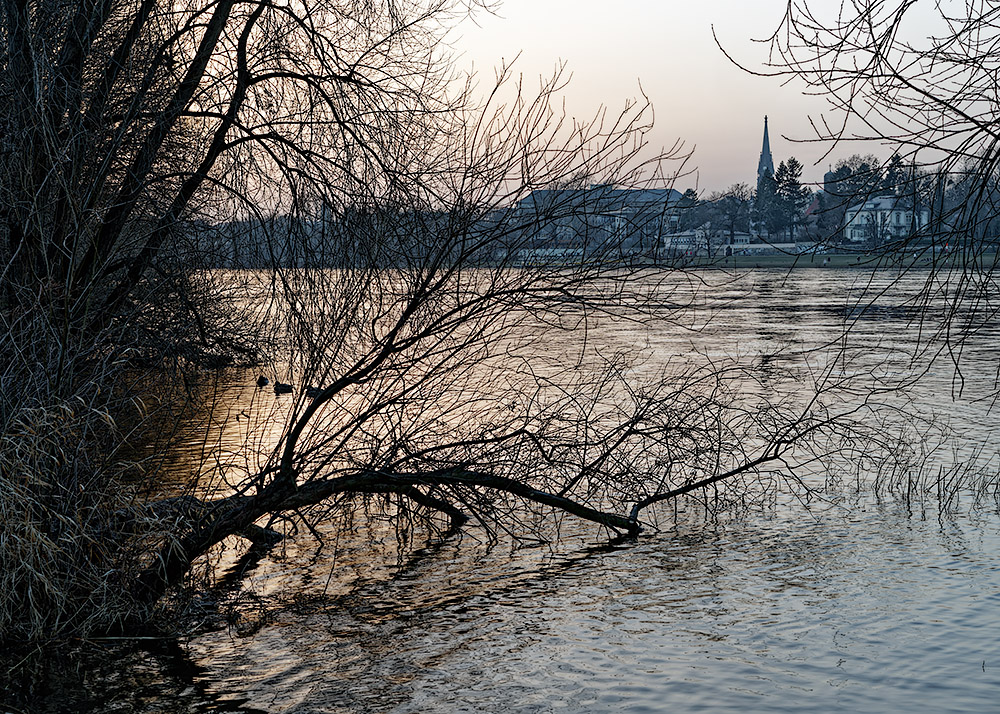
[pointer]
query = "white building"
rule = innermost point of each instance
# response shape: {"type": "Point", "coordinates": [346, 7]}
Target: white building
{"type": "Point", "coordinates": [693, 242]}
{"type": "Point", "coordinates": [883, 218]}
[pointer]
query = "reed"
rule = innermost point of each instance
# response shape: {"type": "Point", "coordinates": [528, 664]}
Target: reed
{"type": "Point", "coordinates": [68, 527]}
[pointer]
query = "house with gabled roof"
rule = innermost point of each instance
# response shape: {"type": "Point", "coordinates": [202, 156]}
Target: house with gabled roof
{"type": "Point", "coordinates": [882, 218]}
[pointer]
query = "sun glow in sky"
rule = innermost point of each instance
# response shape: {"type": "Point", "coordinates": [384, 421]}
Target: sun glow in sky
{"type": "Point", "coordinates": [698, 95]}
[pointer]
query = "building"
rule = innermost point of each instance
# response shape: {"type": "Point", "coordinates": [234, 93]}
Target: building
{"type": "Point", "coordinates": [765, 187]}
{"type": "Point", "coordinates": [765, 165]}
{"type": "Point", "coordinates": [590, 222]}
{"type": "Point", "coordinates": [883, 218]}
{"type": "Point", "coordinates": [692, 242]}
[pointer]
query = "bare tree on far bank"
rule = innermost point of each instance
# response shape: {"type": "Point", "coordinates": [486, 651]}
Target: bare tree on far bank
{"type": "Point", "coordinates": [306, 187]}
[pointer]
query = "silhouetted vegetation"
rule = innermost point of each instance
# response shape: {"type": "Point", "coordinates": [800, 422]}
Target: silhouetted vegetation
{"type": "Point", "coordinates": [308, 190]}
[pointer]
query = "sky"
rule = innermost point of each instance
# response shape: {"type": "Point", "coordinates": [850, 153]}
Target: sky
{"type": "Point", "coordinates": [699, 96]}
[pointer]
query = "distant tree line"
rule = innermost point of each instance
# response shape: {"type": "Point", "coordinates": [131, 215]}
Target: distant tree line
{"type": "Point", "coordinates": [782, 208]}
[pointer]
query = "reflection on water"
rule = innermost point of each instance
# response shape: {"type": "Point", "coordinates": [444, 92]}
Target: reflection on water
{"type": "Point", "coordinates": [867, 609]}
{"type": "Point", "coordinates": [870, 610]}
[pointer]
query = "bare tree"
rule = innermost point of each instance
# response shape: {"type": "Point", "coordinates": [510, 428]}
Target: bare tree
{"type": "Point", "coordinates": [432, 385]}
{"type": "Point", "coordinates": [733, 208]}
{"type": "Point", "coordinates": [307, 187]}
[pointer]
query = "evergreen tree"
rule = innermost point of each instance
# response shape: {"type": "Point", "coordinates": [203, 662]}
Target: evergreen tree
{"type": "Point", "coordinates": [792, 196]}
{"type": "Point", "coordinates": [894, 176]}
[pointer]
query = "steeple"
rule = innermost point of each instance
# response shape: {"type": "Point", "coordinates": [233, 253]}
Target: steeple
{"type": "Point", "coordinates": [765, 164]}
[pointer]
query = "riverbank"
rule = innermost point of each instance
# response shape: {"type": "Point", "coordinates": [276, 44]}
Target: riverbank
{"type": "Point", "coordinates": [845, 260]}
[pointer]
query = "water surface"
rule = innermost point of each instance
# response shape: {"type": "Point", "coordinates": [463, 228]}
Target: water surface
{"type": "Point", "coordinates": [856, 605]}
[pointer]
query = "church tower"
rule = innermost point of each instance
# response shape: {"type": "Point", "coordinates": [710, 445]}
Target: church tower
{"type": "Point", "coordinates": [766, 164]}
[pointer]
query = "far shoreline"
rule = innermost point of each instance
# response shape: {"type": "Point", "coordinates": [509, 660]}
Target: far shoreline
{"type": "Point", "coordinates": [845, 260]}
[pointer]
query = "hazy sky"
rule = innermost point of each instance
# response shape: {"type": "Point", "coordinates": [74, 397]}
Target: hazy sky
{"type": "Point", "coordinates": [698, 95]}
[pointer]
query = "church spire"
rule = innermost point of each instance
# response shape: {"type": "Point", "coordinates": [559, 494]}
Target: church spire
{"type": "Point", "coordinates": [766, 164]}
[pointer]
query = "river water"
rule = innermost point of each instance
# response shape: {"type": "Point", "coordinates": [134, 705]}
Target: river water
{"type": "Point", "coordinates": [864, 603]}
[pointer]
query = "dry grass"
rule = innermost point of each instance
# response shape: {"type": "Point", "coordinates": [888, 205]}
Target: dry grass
{"type": "Point", "coordinates": [67, 528]}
